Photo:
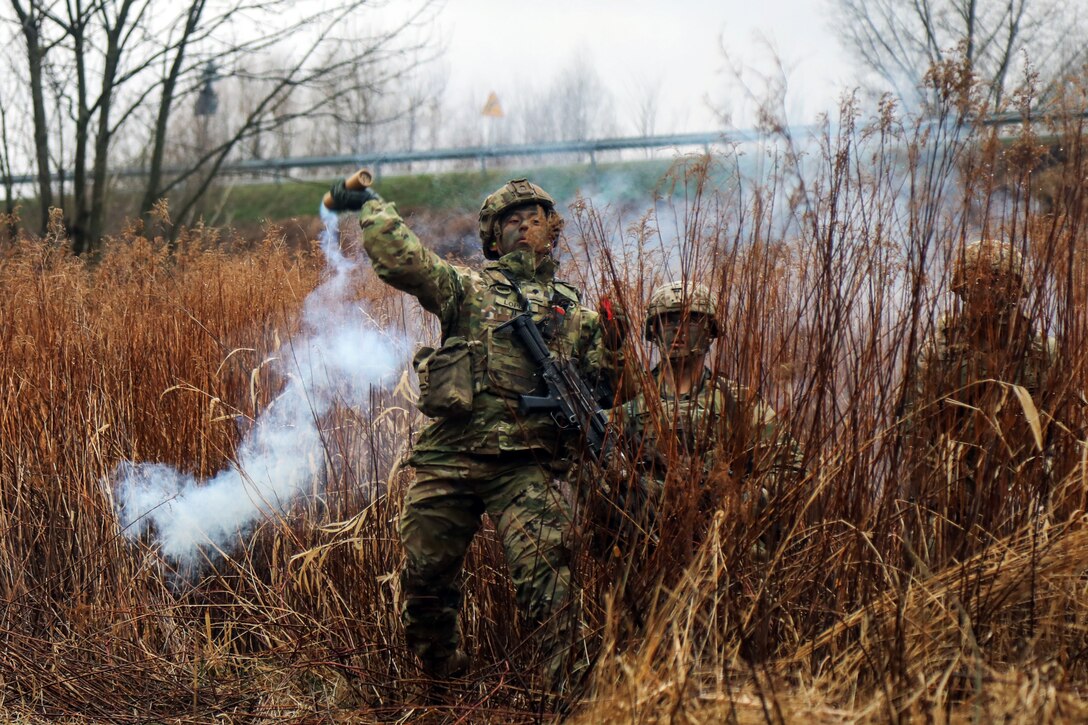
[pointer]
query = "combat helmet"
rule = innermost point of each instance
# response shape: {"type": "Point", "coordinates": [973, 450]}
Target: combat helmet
{"type": "Point", "coordinates": [1002, 260]}
{"type": "Point", "coordinates": [515, 193]}
{"type": "Point", "coordinates": [679, 296]}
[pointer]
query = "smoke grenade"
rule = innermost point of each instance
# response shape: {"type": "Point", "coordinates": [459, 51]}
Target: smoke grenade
{"type": "Point", "coordinates": [358, 181]}
{"type": "Point", "coordinates": [336, 359]}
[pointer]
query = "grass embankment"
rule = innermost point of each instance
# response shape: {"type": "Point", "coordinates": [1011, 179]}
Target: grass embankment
{"type": "Point", "coordinates": [456, 192]}
{"type": "Point", "coordinates": [292, 203]}
{"type": "Point", "coordinates": [807, 606]}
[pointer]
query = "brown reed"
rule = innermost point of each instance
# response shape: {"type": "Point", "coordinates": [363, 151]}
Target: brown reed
{"type": "Point", "coordinates": [829, 263]}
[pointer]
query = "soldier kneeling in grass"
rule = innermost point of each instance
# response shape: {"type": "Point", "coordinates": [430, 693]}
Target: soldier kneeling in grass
{"type": "Point", "coordinates": [983, 460]}
{"type": "Point", "coordinates": [696, 442]}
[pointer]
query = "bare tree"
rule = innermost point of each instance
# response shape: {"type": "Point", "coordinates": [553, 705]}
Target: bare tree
{"type": "Point", "coordinates": [899, 40]}
{"type": "Point", "coordinates": [177, 63]}
{"type": "Point", "coordinates": [7, 176]}
{"type": "Point", "coordinates": [118, 69]}
{"type": "Point", "coordinates": [583, 105]}
{"type": "Point", "coordinates": [421, 94]}
{"type": "Point", "coordinates": [31, 15]}
{"type": "Point", "coordinates": [645, 97]}
{"type": "Point", "coordinates": [575, 106]}
{"type": "Point", "coordinates": [461, 123]}
{"type": "Point", "coordinates": [7, 173]}
{"type": "Point", "coordinates": [534, 115]}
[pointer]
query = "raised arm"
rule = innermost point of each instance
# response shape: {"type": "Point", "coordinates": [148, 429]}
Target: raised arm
{"type": "Point", "coordinates": [402, 261]}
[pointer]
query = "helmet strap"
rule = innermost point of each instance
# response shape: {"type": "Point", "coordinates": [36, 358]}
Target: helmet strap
{"type": "Point", "coordinates": [682, 374]}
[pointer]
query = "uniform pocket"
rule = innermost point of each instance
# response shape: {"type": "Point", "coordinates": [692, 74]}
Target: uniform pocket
{"type": "Point", "coordinates": [509, 371]}
{"type": "Point", "coordinates": [446, 381]}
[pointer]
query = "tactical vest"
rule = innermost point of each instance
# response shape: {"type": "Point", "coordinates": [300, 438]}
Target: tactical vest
{"type": "Point", "coordinates": [977, 405]}
{"type": "Point", "coordinates": [969, 365]}
{"type": "Point", "coordinates": [490, 299]}
{"type": "Point", "coordinates": [965, 364]}
{"type": "Point", "coordinates": [694, 420]}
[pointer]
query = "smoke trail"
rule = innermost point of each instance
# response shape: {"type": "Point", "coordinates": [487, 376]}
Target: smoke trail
{"type": "Point", "coordinates": [337, 357]}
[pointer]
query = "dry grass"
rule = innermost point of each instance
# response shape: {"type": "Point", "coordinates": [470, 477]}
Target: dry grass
{"type": "Point", "coordinates": [829, 268]}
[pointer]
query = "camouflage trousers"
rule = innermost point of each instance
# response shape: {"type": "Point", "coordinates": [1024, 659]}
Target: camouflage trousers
{"type": "Point", "coordinates": [441, 514]}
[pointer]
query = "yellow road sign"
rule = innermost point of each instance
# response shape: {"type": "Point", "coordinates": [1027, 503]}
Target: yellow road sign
{"type": "Point", "coordinates": [492, 108]}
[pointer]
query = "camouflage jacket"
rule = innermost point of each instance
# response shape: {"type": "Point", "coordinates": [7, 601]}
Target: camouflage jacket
{"type": "Point", "coordinates": [473, 303]}
{"type": "Point", "coordinates": [722, 424]}
{"type": "Point", "coordinates": [1019, 355]}
{"type": "Point", "coordinates": [962, 397]}
{"type": "Point", "coordinates": [954, 365]}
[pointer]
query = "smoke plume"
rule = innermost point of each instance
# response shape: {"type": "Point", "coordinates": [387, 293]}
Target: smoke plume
{"type": "Point", "coordinates": [337, 357]}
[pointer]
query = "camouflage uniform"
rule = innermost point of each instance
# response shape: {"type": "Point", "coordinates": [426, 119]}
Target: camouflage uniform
{"type": "Point", "coordinates": [966, 418]}
{"type": "Point", "coordinates": [721, 423]}
{"type": "Point", "coordinates": [489, 459]}
{"type": "Point", "coordinates": [712, 436]}
{"type": "Point", "coordinates": [716, 437]}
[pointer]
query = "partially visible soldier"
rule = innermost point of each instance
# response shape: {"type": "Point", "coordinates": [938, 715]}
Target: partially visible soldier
{"type": "Point", "coordinates": [479, 456]}
{"type": "Point", "coordinates": [982, 466]}
{"type": "Point", "coordinates": [699, 434]}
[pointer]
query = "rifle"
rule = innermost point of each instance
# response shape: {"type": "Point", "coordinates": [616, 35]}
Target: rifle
{"type": "Point", "coordinates": [573, 405]}
{"type": "Point", "coordinates": [569, 399]}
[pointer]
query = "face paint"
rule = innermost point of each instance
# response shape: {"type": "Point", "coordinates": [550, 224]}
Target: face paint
{"type": "Point", "coordinates": [525, 227]}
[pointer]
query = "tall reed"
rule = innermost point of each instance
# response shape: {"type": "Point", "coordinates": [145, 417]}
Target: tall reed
{"type": "Point", "coordinates": [829, 259]}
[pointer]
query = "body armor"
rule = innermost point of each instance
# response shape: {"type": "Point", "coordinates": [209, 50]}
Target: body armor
{"type": "Point", "coordinates": [491, 299]}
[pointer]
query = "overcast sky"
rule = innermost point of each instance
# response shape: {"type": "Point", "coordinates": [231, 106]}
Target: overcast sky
{"type": "Point", "coordinates": [500, 46]}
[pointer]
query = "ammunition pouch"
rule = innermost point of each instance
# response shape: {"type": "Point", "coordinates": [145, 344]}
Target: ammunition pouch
{"type": "Point", "coordinates": [446, 380]}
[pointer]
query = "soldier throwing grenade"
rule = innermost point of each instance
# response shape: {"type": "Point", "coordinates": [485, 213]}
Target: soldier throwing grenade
{"type": "Point", "coordinates": [479, 455]}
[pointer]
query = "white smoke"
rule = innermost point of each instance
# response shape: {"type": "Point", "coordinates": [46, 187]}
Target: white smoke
{"type": "Point", "coordinates": [337, 357]}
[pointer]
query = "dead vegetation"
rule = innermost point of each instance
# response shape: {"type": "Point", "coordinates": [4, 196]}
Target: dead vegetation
{"type": "Point", "coordinates": [829, 260]}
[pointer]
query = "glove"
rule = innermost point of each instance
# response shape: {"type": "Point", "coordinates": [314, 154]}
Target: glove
{"type": "Point", "coordinates": [614, 323]}
{"type": "Point", "coordinates": [345, 199]}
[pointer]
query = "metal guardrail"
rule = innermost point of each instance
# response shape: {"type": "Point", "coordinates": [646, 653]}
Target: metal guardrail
{"type": "Point", "coordinates": [482, 153]}
{"type": "Point", "coordinates": [488, 152]}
